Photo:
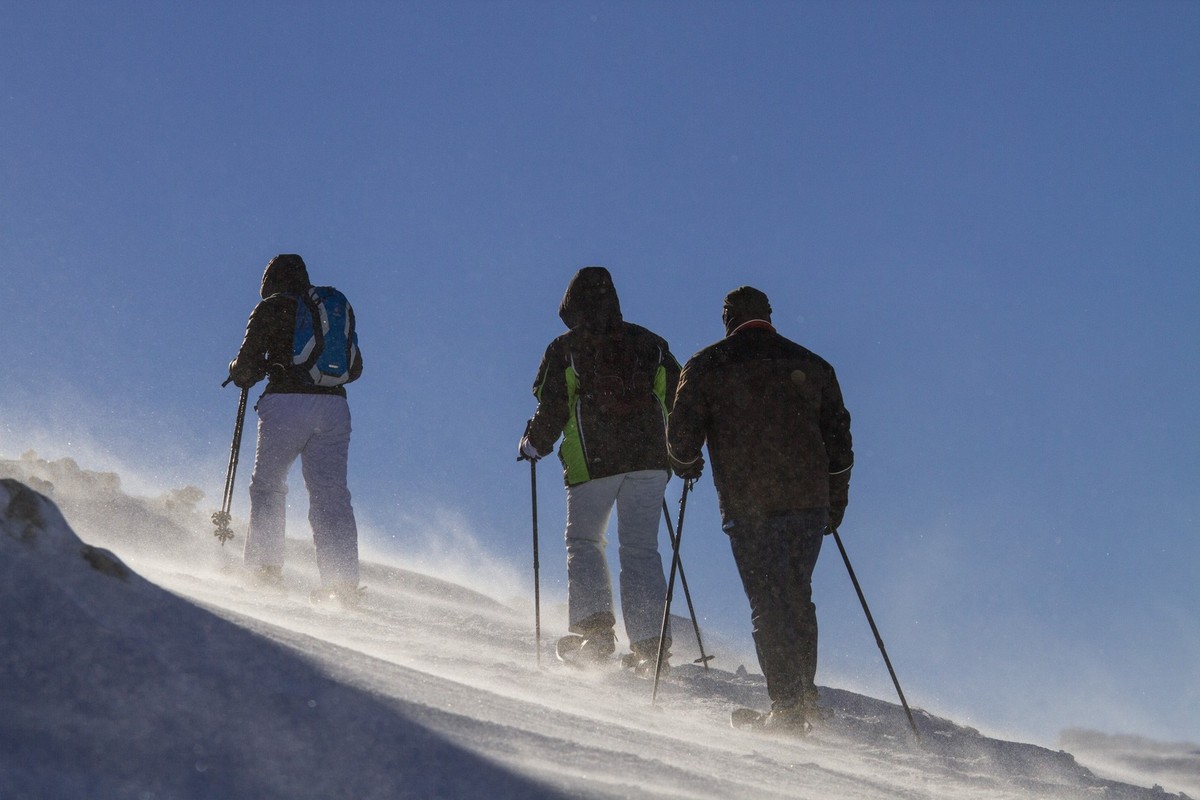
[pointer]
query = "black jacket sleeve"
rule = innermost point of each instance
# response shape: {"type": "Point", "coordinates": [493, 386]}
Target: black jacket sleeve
{"type": "Point", "coordinates": [550, 389]}
{"type": "Point", "coordinates": [688, 422]}
{"type": "Point", "coordinates": [253, 358]}
{"type": "Point", "coordinates": [835, 430]}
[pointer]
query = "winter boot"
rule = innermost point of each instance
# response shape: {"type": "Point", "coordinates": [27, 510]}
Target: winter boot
{"type": "Point", "coordinates": [345, 595]}
{"type": "Point", "coordinates": [599, 641]}
{"type": "Point", "coordinates": [644, 658]}
{"type": "Point", "coordinates": [787, 719]}
{"type": "Point", "coordinates": [268, 577]}
{"type": "Point", "coordinates": [814, 711]}
{"type": "Point", "coordinates": [598, 646]}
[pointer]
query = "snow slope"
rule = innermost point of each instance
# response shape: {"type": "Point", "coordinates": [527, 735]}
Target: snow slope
{"type": "Point", "coordinates": [144, 665]}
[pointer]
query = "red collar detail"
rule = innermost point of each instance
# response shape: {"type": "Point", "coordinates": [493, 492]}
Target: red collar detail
{"type": "Point", "coordinates": [754, 324]}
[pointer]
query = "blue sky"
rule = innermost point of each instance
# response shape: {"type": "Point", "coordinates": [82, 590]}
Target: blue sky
{"type": "Point", "coordinates": [984, 215]}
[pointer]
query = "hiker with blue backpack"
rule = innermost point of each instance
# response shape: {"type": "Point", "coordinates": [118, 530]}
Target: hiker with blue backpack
{"type": "Point", "coordinates": [301, 338]}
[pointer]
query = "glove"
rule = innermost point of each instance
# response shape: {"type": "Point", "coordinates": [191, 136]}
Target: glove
{"type": "Point", "coordinates": [689, 471]}
{"type": "Point", "coordinates": [835, 518]}
{"type": "Point", "coordinates": [241, 377]}
{"type": "Point", "coordinates": [527, 452]}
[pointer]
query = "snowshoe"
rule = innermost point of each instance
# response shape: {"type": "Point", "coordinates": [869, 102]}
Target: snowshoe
{"type": "Point", "coordinates": [781, 722]}
{"type": "Point", "coordinates": [644, 658]}
{"type": "Point", "coordinates": [268, 578]}
{"type": "Point", "coordinates": [343, 596]}
{"type": "Point", "coordinates": [567, 648]}
{"type": "Point", "coordinates": [643, 666]}
{"type": "Point", "coordinates": [746, 718]}
{"type": "Point", "coordinates": [583, 651]}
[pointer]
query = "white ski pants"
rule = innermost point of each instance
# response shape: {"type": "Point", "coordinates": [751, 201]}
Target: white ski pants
{"type": "Point", "coordinates": [316, 429]}
{"type": "Point", "coordinates": [638, 497]}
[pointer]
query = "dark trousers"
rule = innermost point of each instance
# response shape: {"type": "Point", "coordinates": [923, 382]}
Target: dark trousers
{"type": "Point", "coordinates": [776, 557]}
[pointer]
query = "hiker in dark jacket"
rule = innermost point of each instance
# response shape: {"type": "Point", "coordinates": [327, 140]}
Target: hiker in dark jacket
{"type": "Point", "coordinates": [607, 386]}
{"type": "Point", "coordinates": [296, 419]}
{"type": "Point", "coordinates": [778, 437]}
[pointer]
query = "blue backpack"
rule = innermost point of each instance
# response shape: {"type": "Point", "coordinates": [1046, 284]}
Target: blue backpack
{"type": "Point", "coordinates": [325, 344]}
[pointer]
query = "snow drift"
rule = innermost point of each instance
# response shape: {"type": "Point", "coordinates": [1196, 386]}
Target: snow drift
{"type": "Point", "coordinates": [143, 664]}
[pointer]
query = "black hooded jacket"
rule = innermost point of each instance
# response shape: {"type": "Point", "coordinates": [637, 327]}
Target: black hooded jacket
{"type": "Point", "coordinates": [606, 386]}
{"type": "Point", "coordinates": [266, 350]}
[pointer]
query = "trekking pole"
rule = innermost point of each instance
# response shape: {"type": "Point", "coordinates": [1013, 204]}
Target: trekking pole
{"type": "Point", "coordinates": [537, 593]}
{"type": "Point", "coordinates": [662, 636]}
{"type": "Point", "coordinates": [222, 518]}
{"type": "Point", "coordinates": [703, 659]}
{"type": "Point", "coordinates": [875, 630]}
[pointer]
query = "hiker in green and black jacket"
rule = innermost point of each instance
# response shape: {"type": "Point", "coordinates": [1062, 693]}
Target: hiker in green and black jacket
{"type": "Point", "coordinates": [607, 387]}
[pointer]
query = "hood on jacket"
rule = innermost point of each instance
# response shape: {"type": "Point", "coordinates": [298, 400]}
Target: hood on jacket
{"type": "Point", "coordinates": [591, 301]}
{"type": "Point", "coordinates": [285, 273]}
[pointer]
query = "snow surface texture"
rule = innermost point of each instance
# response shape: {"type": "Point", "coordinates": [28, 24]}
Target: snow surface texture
{"type": "Point", "coordinates": [145, 665]}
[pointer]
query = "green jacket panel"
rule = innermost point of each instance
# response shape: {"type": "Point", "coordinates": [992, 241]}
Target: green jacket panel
{"type": "Point", "coordinates": [608, 395]}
